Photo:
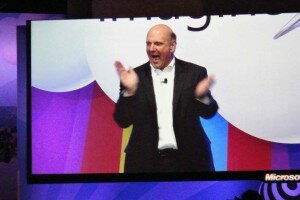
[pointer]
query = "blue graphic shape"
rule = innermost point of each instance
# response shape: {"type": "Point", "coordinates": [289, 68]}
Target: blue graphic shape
{"type": "Point", "coordinates": [216, 129]}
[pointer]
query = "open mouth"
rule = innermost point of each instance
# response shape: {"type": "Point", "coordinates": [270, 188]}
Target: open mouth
{"type": "Point", "coordinates": [155, 58]}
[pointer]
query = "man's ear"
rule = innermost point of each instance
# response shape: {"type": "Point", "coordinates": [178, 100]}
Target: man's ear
{"type": "Point", "coordinates": [173, 46]}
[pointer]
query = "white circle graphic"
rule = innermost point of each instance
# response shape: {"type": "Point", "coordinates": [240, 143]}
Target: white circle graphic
{"type": "Point", "coordinates": [58, 55]}
{"type": "Point", "coordinates": [257, 77]}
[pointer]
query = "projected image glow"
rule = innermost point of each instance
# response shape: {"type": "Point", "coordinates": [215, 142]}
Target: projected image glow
{"type": "Point", "coordinates": [254, 59]}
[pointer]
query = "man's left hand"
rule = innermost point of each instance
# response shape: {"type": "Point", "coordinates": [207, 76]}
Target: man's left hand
{"type": "Point", "coordinates": [203, 86]}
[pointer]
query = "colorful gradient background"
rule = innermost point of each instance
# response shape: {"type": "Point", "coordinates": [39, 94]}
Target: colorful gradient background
{"type": "Point", "coordinates": [11, 96]}
{"type": "Point", "coordinates": [73, 132]}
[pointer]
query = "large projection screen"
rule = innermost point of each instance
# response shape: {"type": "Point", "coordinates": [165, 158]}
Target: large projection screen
{"type": "Point", "coordinates": [74, 86]}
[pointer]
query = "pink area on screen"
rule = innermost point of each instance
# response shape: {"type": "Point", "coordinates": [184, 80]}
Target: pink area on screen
{"type": "Point", "coordinates": [246, 152]}
{"type": "Point", "coordinates": [103, 143]}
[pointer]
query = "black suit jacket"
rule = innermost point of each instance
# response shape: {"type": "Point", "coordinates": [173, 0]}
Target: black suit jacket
{"type": "Point", "coordinates": [140, 111]}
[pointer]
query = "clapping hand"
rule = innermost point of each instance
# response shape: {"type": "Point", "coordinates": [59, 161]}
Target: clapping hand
{"type": "Point", "coordinates": [203, 86]}
{"type": "Point", "coordinates": [128, 78]}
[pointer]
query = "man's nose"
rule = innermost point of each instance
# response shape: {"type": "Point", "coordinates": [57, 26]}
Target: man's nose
{"type": "Point", "coordinates": [152, 47]}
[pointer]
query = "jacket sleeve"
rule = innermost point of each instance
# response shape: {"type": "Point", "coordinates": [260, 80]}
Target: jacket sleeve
{"type": "Point", "coordinates": [123, 114]}
{"type": "Point", "coordinates": [206, 110]}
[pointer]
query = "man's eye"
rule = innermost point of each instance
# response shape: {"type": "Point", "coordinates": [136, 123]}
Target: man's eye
{"type": "Point", "coordinates": [158, 43]}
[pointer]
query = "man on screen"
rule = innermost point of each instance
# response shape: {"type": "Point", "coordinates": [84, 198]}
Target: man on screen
{"type": "Point", "coordinates": [163, 100]}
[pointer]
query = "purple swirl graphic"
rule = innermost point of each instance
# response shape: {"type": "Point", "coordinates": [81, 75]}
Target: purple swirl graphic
{"type": "Point", "coordinates": [280, 191]}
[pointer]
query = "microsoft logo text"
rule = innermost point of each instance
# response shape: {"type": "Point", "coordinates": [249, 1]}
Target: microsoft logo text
{"type": "Point", "coordinates": [282, 177]}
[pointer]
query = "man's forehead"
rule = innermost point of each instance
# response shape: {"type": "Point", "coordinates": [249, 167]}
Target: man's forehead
{"type": "Point", "coordinates": [150, 39]}
{"type": "Point", "coordinates": [158, 37]}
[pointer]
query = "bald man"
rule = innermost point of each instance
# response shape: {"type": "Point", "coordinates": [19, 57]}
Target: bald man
{"type": "Point", "coordinates": [163, 100]}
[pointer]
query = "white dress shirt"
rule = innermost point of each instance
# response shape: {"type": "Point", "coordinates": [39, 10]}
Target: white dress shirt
{"type": "Point", "coordinates": [163, 83]}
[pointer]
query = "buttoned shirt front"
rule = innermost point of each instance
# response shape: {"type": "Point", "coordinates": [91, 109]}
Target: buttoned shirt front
{"type": "Point", "coordinates": [163, 84]}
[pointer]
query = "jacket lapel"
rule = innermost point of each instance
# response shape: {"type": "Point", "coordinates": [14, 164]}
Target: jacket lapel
{"type": "Point", "coordinates": [179, 80]}
{"type": "Point", "coordinates": [147, 84]}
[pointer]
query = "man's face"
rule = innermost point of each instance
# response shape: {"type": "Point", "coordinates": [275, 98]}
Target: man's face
{"type": "Point", "coordinates": [160, 47]}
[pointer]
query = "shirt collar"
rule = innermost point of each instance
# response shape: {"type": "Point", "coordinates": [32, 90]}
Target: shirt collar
{"type": "Point", "coordinates": [169, 68]}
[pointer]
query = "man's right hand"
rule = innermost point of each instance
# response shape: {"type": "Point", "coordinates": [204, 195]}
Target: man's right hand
{"type": "Point", "coordinates": [128, 78]}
